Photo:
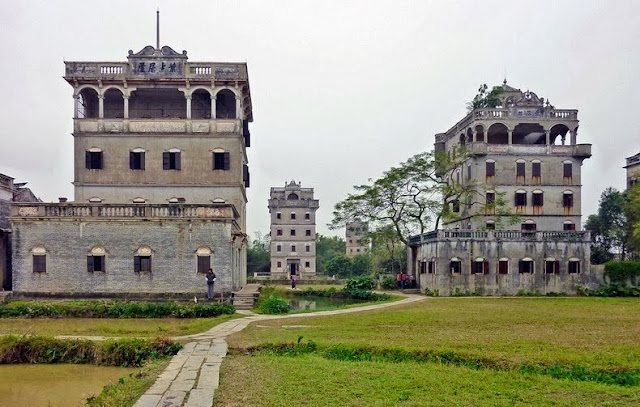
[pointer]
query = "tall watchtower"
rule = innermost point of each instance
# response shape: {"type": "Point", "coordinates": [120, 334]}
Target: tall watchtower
{"type": "Point", "coordinates": [293, 230]}
{"type": "Point", "coordinates": [159, 129]}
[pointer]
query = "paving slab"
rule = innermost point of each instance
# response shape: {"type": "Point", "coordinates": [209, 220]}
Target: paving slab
{"type": "Point", "coordinates": [200, 398]}
{"type": "Point", "coordinates": [148, 400]}
{"type": "Point", "coordinates": [172, 399]}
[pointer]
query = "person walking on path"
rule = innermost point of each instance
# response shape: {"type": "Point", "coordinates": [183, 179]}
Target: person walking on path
{"type": "Point", "coordinates": [210, 278]}
{"type": "Point", "coordinates": [293, 283]}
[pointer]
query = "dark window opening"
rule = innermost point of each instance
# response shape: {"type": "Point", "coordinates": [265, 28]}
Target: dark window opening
{"type": "Point", "coordinates": [307, 264]}
{"type": "Point", "coordinates": [423, 267]}
{"type": "Point", "coordinates": [490, 226]}
{"type": "Point", "coordinates": [455, 266]}
{"type": "Point", "coordinates": [567, 170]}
{"type": "Point", "coordinates": [293, 232]}
{"type": "Point", "coordinates": [552, 267]}
{"type": "Point", "coordinates": [490, 208]}
{"type": "Point", "coordinates": [39, 263]}
{"type": "Point", "coordinates": [521, 199]}
{"type": "Point", "coordinates": [525, 266]}
{"type": "Point", "coordinates": [95, 263]}
{"type": "Point", "coordinates": [455, 206]}
{"type": "Point", "coordinates": [569, 226]}
{"type": "Point", "coordinates": [278, 248]}
{"type": "Point", "coordinates": [200, 104]}
{"type": "Point", "coordinates": [279, 264]}
{"type": "Point", "coordinates": [503, 267]}
{"type": "Point", "coordinates": [308, 232]}
{"type": "Point", "coordinates": [204, 263]}
{"type": "Point", "coordinates": [490, 168]}
{"type": "Point", "coordinates": [221, 161]}
{"type": "Point", "coordinates": [567, 200]}
{"type": "Point", "coordinates": [520, 172]}
{"type": "Point", "coordinates": [307, 248]}
{"type": "Point", "coordinates": [574, 267]}
{"type": "Point", "coordinates": [536, 172]}
{"type": "Point", "coordinates": [279, 232]}
{"type": "Point", "coordinates": [278, 215]}
{"type": "Point", "coordinates": [226, 105]}
{"type": "Point", "coordinates": [171, 160]}
{"type": "Point", "coordinates": [537, 199]}
{"type": "Point", "coordinates": [528, 227]}
{"type": "Point", "coordinates": [94, 160]}
{"type": "Point", "coordinates": [142, 264]}
{"type": "Point", "coordinates": [431, 267]}
{"type": "Point", "coordinates": [293, 248]}
{"type": "Point", "coordinates": [480, 267]}
{"type": "Point", "coordinates": [307, 216]}
{"type": "Point", "coordinates": [136, 160]}
{"type": "Point", "coordinates": [293, 216]}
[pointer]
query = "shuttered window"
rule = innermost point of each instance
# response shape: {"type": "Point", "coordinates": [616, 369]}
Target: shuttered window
{"type": "Point", "coordinates": [503, 267]}
{"type": "Point", "coordinates": [136, 160]}
{"type": "Point", "coordinates": [171, 160]}
{"type": "Point", "coordinates": [39, 263]}
{"type": "Point", "coordinates": [93, 160]}
{"type": "Point", "coordinates": [520, 169]}
{"type": "Point", "coordinates": [535, 169]}
{"type": "Point", "coordinates": [96, 263]}
{"type": "Point", "coordinates": [567, 170]}
{"type": "Point", "coordinates": [204, 263]}
{"type": "Point", "coordinates": [142, 264]}
{"type": "Point", "coordinates": [221, 161]}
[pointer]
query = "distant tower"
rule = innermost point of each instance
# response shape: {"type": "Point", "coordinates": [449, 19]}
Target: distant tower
{"type": "Point", "coordinates": [293, 230]}
{"type": "Point", "coordinates": [356, 233]}
{"type": "Point", "coordinates": [633, 170]}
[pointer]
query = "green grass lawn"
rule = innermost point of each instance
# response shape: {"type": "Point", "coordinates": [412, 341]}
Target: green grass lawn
{"type": "Point", "coordinates": [121, 327]}
{"type": "Point", "coordinates": [597, 332]}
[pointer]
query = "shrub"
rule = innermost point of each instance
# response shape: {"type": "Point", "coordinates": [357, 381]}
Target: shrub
{"type": "Point", "coordinates": [388, 283]}
{"type": "Point", "coordinates": [359, 283]}
{"type": "Point", "coordinates": [622, 272]}
{"type": "Point", "coordinates": [273, 305]}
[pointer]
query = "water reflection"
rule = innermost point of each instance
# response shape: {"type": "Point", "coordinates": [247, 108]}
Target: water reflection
{"type": "Point", "coordinates": [314, 303]}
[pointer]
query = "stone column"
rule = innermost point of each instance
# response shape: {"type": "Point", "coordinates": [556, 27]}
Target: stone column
{"type": "Point", "coordinates": [510, 137]}
{"type": "Point", "coordinates": [574, 136]}
{"type": "Point", "coordinates": [547, 137]}
{"type": "Point", "coordinates": [75, 106]}
{"type": "Point", "coordinates": [188, 107]}
{"type": "Point", "coordinates": [126, 106]}
{"type": "Point", "coordinates": [213, 106]}
{"type": "Point", "coordinates": [238, 111]}
{"type": "Point", "coordinates": [100, 106]}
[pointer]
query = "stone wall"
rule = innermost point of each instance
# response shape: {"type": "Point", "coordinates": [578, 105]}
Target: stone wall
{"type": "Point", "coordinates": [173, 244]}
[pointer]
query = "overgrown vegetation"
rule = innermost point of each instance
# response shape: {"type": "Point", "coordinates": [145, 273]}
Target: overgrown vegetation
{"type": "Point", "coordinates": [103, 309]}
{"type": "Point", "coordinates": [619, 376]}
{"type": "Point", "coordinates": [273, 304]}
{"type": "Point", "coordinates": [621, 279]}
{"type": "Point", "coordinates": [486, 98]}
{"type": "Point", "coordinates": [112, 352]}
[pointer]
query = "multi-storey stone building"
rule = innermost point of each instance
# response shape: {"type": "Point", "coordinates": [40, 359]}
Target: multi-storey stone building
{"type": "Point", "coordinates": [160, 182]}
{"type": "Point", "coordinates": [633, 170]}
{"type": "Point", "coordinates": [525, 152]}
{"type": "Point", "coordinates": [356, 238]}
{"type": "Point", "coordinates": [293, 230]}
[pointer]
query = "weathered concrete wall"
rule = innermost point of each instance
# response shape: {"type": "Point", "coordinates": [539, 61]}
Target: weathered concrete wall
{"type": "Point", "coordinates": [493, 283]}
{"type": "Point", "coordinates": [173, 243]}
{"type": "Point", "coordinates": [5, 260]}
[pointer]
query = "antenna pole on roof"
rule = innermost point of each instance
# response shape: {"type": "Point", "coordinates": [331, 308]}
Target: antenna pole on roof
{"type": "Point", "coordinates": [158, 28]}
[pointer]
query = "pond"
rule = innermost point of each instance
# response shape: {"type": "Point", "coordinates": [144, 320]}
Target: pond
{"type": "Point", "coordinates": [54, 385]}
{"type": "Point", "coordinates": [317, 303]}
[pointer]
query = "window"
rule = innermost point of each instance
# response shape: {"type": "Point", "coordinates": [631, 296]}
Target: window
{"type": "Point", "coordinates": [490, 169]}
{"type": "Point", "coordinates": [520, 201]}
{"type": "Point", "coordinates": [455, 205]}
{"type": "Point", "coordinates": [503, 266]}
{"type": "Point", "coordinates": [574, 266]}
{"type": "Point", "coordinates": [142, 261]}
{"type": "Point", "coordinates": [293, 248]}
{"type": "Point", "coordinates": [528, 226]}
{"type": "Point", "coordinates": [525, 266]}
{"type": "Point", "coordinates": [455, 265]}
{"type": "Point", "coordinates": [567, 171]}
{"type": "Point", "coordinates": [307, 248]}
{"type": "Point", "coordinates": [136, 159]}
{"type": "Point", "coordinates": [221, 160]}
{"type": "Point", "coordinates": [536, 172]}
{"type": "Point", "coordinates": [279, 232]}
{"type": "Point", "coordinates": [93, 159]}
{"type": "Point", "coordinates": [171, 160]}
{"type": "Point", "coordinates": [293, 216]}
{"type": "Point", "coordinates": [358, 250]}
{"type": "Point", "coordinates": [307, 232]}
{"type": "Point", "coordinates": [490, 225]}
{"type": "Point", "coordinates": [279, 264]}
{"type": "Point", "coordinates": [490, 199]}
{"type": "Point", "coordinates": [568, 225]}
{"type": "Point", "coordinates": [479, 266]}
{"type": "Point", "coordinates": [307, 216]}
{"type": "Point", "coordinates": [96, 260]}
{"type": "Point", "coordinates": [246, 176]}
{"type": "Point", "coordinates": [293, 232]}
{"type": "Point", "coordinates": [203, 255]}
{"type": "Point", "coordinates": [293, 196]}
{"type": "Point", "coordinates": [423, 267]}
{"type": "Point", "coordinates": [39, 255]}
{"type": "Point", "coordinates": [567, 199]}
{"type": "Point", "coordinates": [278, 248]}
{"type": "Point", "coordinates": [278, 215]}
{"type": "Point", "coordinates": [468, 172]}
{"type": "Point", "coordinates": [307, 264]}
{"type": "Point", "coordinates": [520, 173]}
{"type": "Point", "coordinates": [551, 266]}
{"type": "Point", "coordinates": [350, 241]}
{"type": "Point", "coordinates": [431, 267]}
{"type": "Point", "coordinates": [537, 202]}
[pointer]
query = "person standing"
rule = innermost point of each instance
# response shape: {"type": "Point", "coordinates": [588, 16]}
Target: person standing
{"type": "Point", "coordinates": [293, 283]}
{"type": "Point", "coordinates": [211, 279]}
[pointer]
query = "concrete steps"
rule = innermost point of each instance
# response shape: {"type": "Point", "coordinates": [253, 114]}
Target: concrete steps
{"type": "Point", "coordinates": [246, 297]}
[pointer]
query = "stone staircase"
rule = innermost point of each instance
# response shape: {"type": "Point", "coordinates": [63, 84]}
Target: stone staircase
{"type": "Point", "coordinates": [246, 297]}
{"type": "Point", "coordinates": [411, 291]}
{"type": "Point", "coordinates": [5, 296]}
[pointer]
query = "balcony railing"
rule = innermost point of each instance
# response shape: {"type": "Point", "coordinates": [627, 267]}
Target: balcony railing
{"type": "Point", "coordinates": [122, 211]}
{"type": "Point", "coordinates": [482, 148]}
{"type": "Point", "coordinates": [504, 235]}
{"type": "Point", "coordinates": [122, 70]}
{"type": "Point", "coordinates": [157, 125]}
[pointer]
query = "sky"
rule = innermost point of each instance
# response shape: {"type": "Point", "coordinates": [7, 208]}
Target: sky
{"type": "Point", "coordinates": [341, 90]}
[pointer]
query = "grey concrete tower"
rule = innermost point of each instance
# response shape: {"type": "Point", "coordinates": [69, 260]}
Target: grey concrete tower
{"type": "Point", "coordinates": [293, 230]}
{"type": "Point", "coordinates": [356, 238]}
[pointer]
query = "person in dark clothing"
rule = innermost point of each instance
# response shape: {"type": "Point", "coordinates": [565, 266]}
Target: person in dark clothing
{"type": "Point", "coordinates": [293, 283]}
{"type": "Point", "coordinates": [210, 278]}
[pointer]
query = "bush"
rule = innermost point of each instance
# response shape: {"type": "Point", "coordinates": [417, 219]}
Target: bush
{"type": "Point", "coordinates": [359, 283]}
{"type": "Point", "coordinates": [615, 290]}
{"type": "Point", "coordinates": [622, 272]}
{"type": "Point", "coordinates": [388, 283]}
{"type": "Point", "coordinates": [114, 352]}
{"type": "Point", "coordinates": [125, 309]}
{"type": "Point", "coordinates": [273, 305]}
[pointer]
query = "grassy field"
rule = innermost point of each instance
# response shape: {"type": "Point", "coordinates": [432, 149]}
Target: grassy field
{"type": "Point", "coordinates": [122, 327]}
{"type": "Point", "coordinates": [596, 332]}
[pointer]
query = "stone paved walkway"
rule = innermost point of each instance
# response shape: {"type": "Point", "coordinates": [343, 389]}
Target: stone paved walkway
{"type": "Point", "coordinates": [192, 376]}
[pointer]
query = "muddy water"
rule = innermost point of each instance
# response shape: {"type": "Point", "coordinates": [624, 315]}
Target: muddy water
{"type": "Point", "coordinates": [54, 385]}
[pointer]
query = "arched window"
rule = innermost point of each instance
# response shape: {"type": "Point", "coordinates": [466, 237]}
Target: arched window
{"type": "Point", "coordinates": [200, 104]}
{"type": "Point", "coordinates": [490, 169]}
{"type": "Point", "coordinates": [536, 171]}
{"type": "Point", "coordinates": [455, 265]}
{"type": "Point", "coordinates": [96, 260]}
{"type": "Point", "coordinates": [137, 159]}
{"type": "Point", "coordinates": [479, 133]}
{"type": "Point", "coordinates": [226, 104]}
{"type": "Point", "coordinates": [221, 159]}
{"type": "Point", "coordinates": [520, 171]}
{"type": "Point", "coordinates": [567, 202]}
{"type": "Point", "coordinates": [498, 133]}
{"type": "Point", "coordinates": [537, 200]}
{"type": "Point", "coordinates": [39, 257]}
{"type": "Point", "coordinates": [88, 104]}
{"type": "Point", "coordinates": [503, 265]}
{"type": "Point", "coordinates": [94, 159]}
{"type": "Point", "coordinates": [567, 172]}
{"type": "Point", "coordinates": [568, 225]}
{"type": "Point", "coordinates": [551, 266]}
{"type": "Point", "coordinates": [113, 104]}
{"type": "Point", "coordinates": [525, 266]}
{"type": "Point", "coordinates": [292, 196]}
{"type": "Point", "coordinates": [558, 134]}
{"type": "Point", "coordinates": [479, 266]}
{"type": "Point", "coordinates": [529, 133]}
{"type": "Point", "coordinates": [520, 200]}
{"type": "Point", "coordinates": [172, 159]}
{"type": "Point", "coordinates": [528, 226]}
{"type": "Point", "coordinates": [142, 260]}
{"type": "Point", "coordinates": [203, 259]}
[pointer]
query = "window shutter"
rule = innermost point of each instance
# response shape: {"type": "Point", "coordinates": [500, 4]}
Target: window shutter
{"type": "Point", "coordinates": [535, 169]}
{"type": "Point", "coordinates": [227, 160]}
{"type": "Point", "coordinates": [204, 263]}
{"type": "Point", "coordinates": [39, 263]}
{"type": "Point", "coordinates": [486, 267]}
{"type": "Point", "coordinates": [165, 160]}
{"type": "Point", "coordinates": [541, 199]}
{"type": "Point", "coordinates": [567, 170]}
{"type": "Point", "coordinates": [245, 175]}
{"type": "Point", "coordinates": [556, 266]}
{"type": "Point", "coordinates": [132, 160]}
{"type": "Point", "coordinates": [247, 134]}
{"type": "Point", "coordinates": [90, 264]}
{"type": "Point", "coordinates": [136, 264]}
{"type": "Point", "coordinates": [473, 267]}
{"type": "Point", "coordinates": [520, 266]}
{"type": "Point", "coordinates": [142, 160]}
{"type": "Point", "coordinates": [213, 161]}
{"type": "Point", "coordinates": [178, 161]}
{"type": "Point", "coordinates": [87, 159]}
{"type": "Point", "coordinates": [491, 169]}
{"type": "Point", "coordinates": [520, 169]}
{"type": "Point", "coordinates": [100, 161]}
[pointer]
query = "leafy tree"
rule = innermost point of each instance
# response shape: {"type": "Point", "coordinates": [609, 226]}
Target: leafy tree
{"type": "Point", "coordinates": [632, 212]}
{"type": "Point", "coordinates": [610, 229]}
{"type": "Point", "coordinates": [340, 266]}
{"type": "Point", "coordinates": [258, 254]}
{"type": "Point", "coordinates": [389, 253]}
{"type": "Point", "coordinates": [361, 265]}
{"type": "Point", "coordinates": [328, 247]}
{"type": "Point", "coordinates": [485, 98]}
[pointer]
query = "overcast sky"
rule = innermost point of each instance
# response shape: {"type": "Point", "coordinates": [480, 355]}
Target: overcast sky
{"type": "Point", "coordinates": [341, 90]}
